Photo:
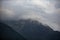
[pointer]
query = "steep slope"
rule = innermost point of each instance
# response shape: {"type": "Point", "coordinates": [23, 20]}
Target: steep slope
{"type": "Point", "coordinates": [33, 30]}
{"type": "Point", "coordinates": [7, 33]}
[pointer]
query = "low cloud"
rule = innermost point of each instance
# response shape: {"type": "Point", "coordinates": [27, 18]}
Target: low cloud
{"type": "Point", "coordinates": [6, 14]}
{"type": "Point", "coordinates": [45, 11]}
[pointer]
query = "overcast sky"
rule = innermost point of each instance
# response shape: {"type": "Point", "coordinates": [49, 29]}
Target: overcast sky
{"type": "Point", "coordinates": [45, 11]}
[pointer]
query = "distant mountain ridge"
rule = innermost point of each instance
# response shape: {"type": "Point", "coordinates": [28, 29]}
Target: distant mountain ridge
{"type": "Point", "coordinates": [33, 30]}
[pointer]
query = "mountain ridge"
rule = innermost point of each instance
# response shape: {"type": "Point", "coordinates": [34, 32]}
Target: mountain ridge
{"type": "Point", "coordinates": [7, 33]}
{"type": "Point", "coordinates": [33, 30]}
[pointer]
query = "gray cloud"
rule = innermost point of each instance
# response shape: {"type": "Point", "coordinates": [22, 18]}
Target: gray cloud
{"type": "Point", "coordinates": [45, 11]}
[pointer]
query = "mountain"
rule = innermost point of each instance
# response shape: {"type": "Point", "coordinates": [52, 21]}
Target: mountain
{"type": "Point", "coordinates": [34, 30]}
{"type": "Point", "coordinates": [7, 33]}
{"type": "Point", "coordinates": [55, 35]}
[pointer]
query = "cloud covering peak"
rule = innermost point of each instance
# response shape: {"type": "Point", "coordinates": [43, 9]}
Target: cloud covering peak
{"type": "Point", "coordinates": [45, 11]}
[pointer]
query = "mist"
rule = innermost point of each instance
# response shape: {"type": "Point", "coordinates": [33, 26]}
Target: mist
{"type": "Point", "coordinates": [45, 11]}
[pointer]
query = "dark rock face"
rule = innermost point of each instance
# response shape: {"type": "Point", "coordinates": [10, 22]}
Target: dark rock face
{"type": "Point", "coordinates": [7, 33]}
{"type": "Point", "coordinates": [55, 35]}
{"type": "Point", "coordinates": [33, 30]}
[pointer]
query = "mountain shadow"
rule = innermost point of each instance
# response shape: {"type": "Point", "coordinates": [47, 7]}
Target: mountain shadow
{"type": "Point", "coordinates": [7, 33]}
{"type": "Point", "coordinates": [33, 30]}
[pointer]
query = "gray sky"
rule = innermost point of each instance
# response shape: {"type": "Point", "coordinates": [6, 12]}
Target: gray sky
{"type": "Point", "coordinates": [45, 11]}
